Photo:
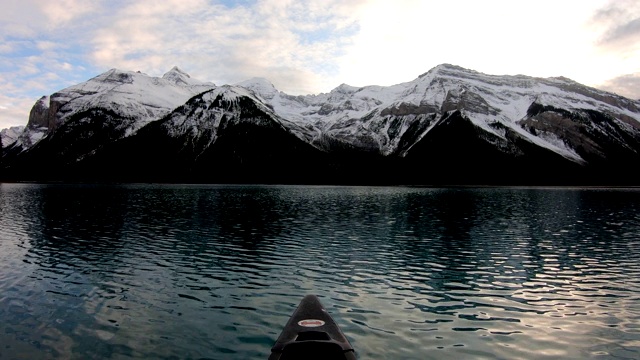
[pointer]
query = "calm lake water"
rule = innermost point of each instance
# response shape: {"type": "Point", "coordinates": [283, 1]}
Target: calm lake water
{"type": "Point", "coordinates": [177, 271]}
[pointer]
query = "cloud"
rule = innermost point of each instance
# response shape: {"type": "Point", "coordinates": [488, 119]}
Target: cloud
{"type": "Point", "coordinates": [628, 31]}
{"type": "Point", "coordinates": [619, 23]}
{"type": "Point", "coordinates": [291, 43]}
{"type": "Point", "coordinates": [62, 12]}
{"type": "Point", "coordinates": [30, 71]}
{"type": "Point", "coordinates": [625, 85]}
{"type": "Point", "coordinates": [32, 18]}
{"type": "Point", "coordinates": [42, 50]}
{"type": "Point", "coordinates": [294, 44]}
{"type": "Point", "coordinates": [14, 110]}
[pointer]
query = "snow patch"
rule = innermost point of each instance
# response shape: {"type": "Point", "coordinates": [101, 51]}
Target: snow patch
{"type": "Point", "coordinates": [131, 95]}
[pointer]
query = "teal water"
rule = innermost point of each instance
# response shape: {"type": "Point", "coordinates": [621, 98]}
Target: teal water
{"type": "Point", "coordinates": [213, 272]}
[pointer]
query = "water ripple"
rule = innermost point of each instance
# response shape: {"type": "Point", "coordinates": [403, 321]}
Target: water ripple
{"type": "Point", "coordinates": [151, 271]}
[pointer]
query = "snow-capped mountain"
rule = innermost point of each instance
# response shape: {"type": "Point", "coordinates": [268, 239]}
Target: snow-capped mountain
{"type": "Point", "coordinates": [133, 97]}
{"type": "Point", "coordinates": [450, 125]}
{"type": "Point", "coordinates": [492, 103]}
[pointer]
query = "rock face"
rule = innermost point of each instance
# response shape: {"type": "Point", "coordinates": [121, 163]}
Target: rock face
{"type": "Point", "coordinates": [449, 126]}
{"type": "Point", "coordinates": [39, 115]}
{"type": "Point", "coordinates": [10, 135]}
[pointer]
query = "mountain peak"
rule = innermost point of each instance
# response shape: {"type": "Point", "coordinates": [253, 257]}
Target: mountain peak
{"type": "Point", "coordinates": [255, 82]}
{"type": "Point", "coordinates": [115, 76]}
{"type": "Point", "coordinates": [564, 79]}
{"type": "Point", "coordinates": [345, 89]}
{"type": "Point", "coordinates": [444, 68]}
{"type": "Point", "coordinates": [175, 71]}
{"type": "Point", "coordinates": [260, 86]}
{"type": "Point", "coordinates": [177, 76]}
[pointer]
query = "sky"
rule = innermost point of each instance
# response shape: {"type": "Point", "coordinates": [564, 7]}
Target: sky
{"type": "Point", "coordinates": [309, 47]}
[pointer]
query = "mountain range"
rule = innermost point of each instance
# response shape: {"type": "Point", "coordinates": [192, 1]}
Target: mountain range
{"type": "Point", "coordinates": [449, 126]}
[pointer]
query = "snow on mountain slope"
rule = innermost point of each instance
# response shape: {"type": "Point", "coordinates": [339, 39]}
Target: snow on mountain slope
{"type": "Point", "coordinates": [203, 114]}
{"type": "Point", "coordinates": [198, 116]}
{"type": "Point", "coordinates": [181, 78]}
{"type": "Point", "coordinates": [131, 95]}
{"type": "Point", "coordinates": [493, 103]}
{"type": "Point", "coordinates": [512, 114]}
{"type": "Point", "coordinates": [489, 100]}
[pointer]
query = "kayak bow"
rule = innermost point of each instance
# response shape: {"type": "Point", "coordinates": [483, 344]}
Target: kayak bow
{"type": "Point", "coordinates": [311, 333]}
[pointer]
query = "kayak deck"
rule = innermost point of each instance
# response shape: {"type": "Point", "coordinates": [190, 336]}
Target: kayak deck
{"type": "Point", "coordinates": [311, 333]}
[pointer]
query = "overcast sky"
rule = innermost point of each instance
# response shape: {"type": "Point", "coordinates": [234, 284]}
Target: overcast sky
{"type": "Point", "coordinates": [312, 46]}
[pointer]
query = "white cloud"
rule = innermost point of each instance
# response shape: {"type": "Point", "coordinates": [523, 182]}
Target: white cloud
{"type": "Point", "coordinates": [294, 44]}
{"type": "Point", "coordinates": [7, 47]}
{"type": "Point", "coordinates": [14, 109]}
{"type": "Point", "coordinates": [46, 45]}
{"type": "Point", "coordinates": [32, 18]}
{"type": "Point", "coordinates": [614, 27]}
{"type": "Point", "coordinates": [619, 23]}
{"type": "Point", "coordinates": [62, 12]}
{"type": "Point", "coordinates": [229, 45]}
{"type": "Point", "coordinates": [24, 79]}
{"type": "Point", "coordinates": [626, 85]}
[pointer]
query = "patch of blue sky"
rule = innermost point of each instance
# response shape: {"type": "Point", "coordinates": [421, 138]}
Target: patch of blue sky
{"type": "Point", "coordinates": [19, 48]}
{"type": "Point", "coordinates": [315, 36]}
{"type": "Point", "coordinates": [34, 71]}
{"type": "Point", "coordinates": [235, 3]}
{"type": "Point", "coordinates": [326, 33]}
{"type": "Point", "coordinates": [81, 72]}
{"type": "Point", "coordinates": [326, 68]}
{"type": "Point", "coordinates": [337, 41]}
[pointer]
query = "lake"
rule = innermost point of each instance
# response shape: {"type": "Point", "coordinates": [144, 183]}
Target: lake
{"type": "Point", "coordinates": [214, 272]}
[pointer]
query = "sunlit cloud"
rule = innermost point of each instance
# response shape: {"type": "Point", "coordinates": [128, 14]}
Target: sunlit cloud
{"type": "Point", "coordinates": [293, 44]}
{"type": "Point", "coordinates": [288, 42]}
{"type": "Point", "coordinates": [626, 85]}
{"type": "Point", "coordinates": [617, 44]}
{"type": "Point", "coordinates": [620, 23]}
{"type": "Point", "coordinates": [7, 47]}
{"type": "Point", "coordinates": [46, 45]}
{"type": "Point", "coordinates": [14, 108]}
{"type": "Point", "coordinates": [61, 12]}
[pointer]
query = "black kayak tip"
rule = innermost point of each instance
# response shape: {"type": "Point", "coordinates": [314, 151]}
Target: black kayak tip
{"type": "Point", "coordinates": [311, 333]}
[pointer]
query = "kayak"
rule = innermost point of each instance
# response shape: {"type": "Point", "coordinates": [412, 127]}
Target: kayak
{"type": "Point", "coordinates": [311, 333]}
